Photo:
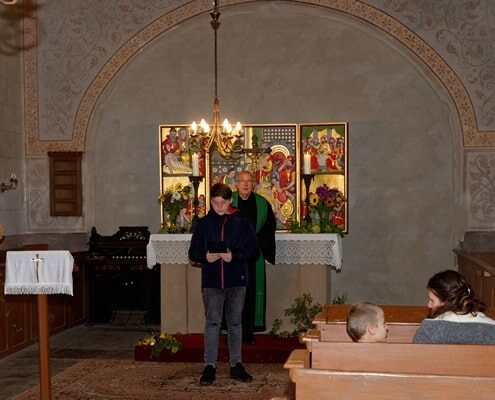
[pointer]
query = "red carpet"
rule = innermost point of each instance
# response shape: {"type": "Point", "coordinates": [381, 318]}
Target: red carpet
{"type": "Point", "coordinates": [267, 349]}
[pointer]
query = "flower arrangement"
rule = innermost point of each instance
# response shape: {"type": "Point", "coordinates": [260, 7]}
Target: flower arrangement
{"type": "Point", "coordinates": [175, 200]}
{"type": "Point", "coordinates": [323, 204]}
{"type": "Point", "coordinates": [160, 341]}
{"type": "Point", "coordinates": [326, 209]}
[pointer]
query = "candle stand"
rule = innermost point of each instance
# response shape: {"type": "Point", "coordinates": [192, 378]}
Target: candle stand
{"type": "Point", "coordinates": [307, 182]}
{"type": "Point", "coordinates": [195, 180]}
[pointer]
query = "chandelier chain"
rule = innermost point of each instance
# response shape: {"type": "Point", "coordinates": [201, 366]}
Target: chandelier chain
{"type": "Point", "coordinates": [216, 64]}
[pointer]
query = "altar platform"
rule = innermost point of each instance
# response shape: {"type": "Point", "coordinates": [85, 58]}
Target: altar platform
{"type": "Point", "coordinates": [268, 349]}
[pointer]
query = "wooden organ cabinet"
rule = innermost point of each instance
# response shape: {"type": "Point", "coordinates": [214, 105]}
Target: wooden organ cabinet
{"type": "Point", "coordinates": [122, 289]}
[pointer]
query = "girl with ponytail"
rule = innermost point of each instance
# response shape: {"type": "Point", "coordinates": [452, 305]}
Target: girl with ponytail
{"type": "Point", "coordinates": [456, 315]}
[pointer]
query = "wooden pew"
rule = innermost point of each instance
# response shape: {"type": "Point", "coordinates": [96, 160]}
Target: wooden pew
{"type": "Point", "coordinates": [402, 322]}
{"type": "Point", "coordinates": [334, 385]}
{"type": "Point", "coordinates": [332, 367]}
{"type": "Point", "coordinates": [298, 359]}
{"type": "Point", "coordinates": [358, 371]}
{"type": "Point", "coordinates": [435, 359]}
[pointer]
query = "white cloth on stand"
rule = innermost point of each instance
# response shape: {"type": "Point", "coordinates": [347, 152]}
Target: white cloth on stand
{"type": "Point", "coordinates": [54, 272]}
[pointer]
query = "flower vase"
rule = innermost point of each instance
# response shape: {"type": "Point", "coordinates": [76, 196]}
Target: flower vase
{"type": "Point", "coordinates": [171, 219]}
{"type": "Point", "coordinates": [174, 218]}
{"type": "Point", "coordinates": [324, 220]}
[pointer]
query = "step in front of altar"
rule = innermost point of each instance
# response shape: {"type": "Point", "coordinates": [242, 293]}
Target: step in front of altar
{"type": "Point", "coordinates": [268, 349]}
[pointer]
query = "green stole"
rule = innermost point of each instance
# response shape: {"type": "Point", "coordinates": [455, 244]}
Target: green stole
{"type": "Point", "coordinates": [259, 301]}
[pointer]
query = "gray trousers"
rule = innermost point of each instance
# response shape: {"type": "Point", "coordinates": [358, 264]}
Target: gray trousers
{"type": "Point", "coordinates": [214, 301]}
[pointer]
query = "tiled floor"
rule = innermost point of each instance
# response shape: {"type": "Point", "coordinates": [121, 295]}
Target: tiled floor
{"type": "Point", "coordinates": [19, 371]}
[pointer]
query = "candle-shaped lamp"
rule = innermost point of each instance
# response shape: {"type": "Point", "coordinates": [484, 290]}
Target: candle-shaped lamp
{"type": "Point", "coordinates": [195, 164]}
{"type": "Point", "coordinates": [307, 163]}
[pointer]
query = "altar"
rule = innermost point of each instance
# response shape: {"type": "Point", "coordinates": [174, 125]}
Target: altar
{"type": "Point", "coordinates": [303, 264]}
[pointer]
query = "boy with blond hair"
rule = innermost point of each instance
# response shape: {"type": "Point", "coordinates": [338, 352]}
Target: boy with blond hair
{"type": "Point", "coordinates": [366, 323]}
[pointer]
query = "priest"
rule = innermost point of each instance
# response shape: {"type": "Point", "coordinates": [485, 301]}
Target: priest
{"type": "Point", "coordinates": [260, 213]}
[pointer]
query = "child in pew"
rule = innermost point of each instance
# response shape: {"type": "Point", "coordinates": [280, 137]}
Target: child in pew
{"type": "Point", "coordinates": [456, 316]}
{"type": "Point", "coordinates": [366, 323]}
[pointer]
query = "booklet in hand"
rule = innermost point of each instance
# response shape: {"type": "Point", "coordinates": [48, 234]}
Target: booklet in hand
{"type": "Point", "coordinates": [217, 247]}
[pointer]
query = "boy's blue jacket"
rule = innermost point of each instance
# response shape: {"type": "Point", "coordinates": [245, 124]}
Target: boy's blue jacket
{"type": "Point", "coordinates": [239, 236]}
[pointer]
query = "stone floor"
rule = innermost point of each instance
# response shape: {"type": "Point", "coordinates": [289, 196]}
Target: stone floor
{"type": "Point", "coordinates": [19, 371]}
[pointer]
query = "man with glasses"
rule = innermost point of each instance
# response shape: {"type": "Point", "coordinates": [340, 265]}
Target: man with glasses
{"type": "Point", "coordinates": [259, 211]}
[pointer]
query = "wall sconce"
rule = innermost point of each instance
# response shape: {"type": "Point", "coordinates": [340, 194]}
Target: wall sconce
{"type": "Point", "coordinates": [11, 185]}
{"type": "Point", "coordinates": [3, 232]}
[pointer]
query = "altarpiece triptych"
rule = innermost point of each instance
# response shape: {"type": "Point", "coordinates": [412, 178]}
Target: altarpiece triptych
{"type": "Point", "coordinates": [301, 169]}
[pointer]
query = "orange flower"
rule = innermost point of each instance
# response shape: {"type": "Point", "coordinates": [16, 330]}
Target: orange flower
{"type": "Point", "coordinates": [329, 202]}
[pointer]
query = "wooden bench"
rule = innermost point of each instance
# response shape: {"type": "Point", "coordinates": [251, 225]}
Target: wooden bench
{"type": "Point", "coordinates": [298, 359]}
{"type": "Point", "coordinates": [332, 367]}
{"type": "Point", "coordinates": [334, 385]}
{"type": "Point", "coordinates": [356, 371]}
{"type": "Point", "coordinates": [402, 322]}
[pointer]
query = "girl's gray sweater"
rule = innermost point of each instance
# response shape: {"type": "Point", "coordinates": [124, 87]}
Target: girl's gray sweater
{"type": "Point", "coordinates": [453, 328]}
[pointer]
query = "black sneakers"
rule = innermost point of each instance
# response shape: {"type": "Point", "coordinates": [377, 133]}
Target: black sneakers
{"type": "Point", "coordinates": [238, 372]}
{"type": "Point", "coordinates": [208, 375]}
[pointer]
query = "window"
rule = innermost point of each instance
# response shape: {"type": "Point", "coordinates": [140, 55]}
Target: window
{"type": "Point", "coordinates": [65, 184]}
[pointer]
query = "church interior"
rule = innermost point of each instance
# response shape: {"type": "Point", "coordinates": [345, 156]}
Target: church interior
{"type": "Point", "coordinates": [86, 85]}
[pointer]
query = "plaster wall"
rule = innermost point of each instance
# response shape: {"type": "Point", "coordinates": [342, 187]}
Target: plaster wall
{"type": "Point", "coordinates": [283, 62]}
{"type": "Point", "coordinates": [11, 133]}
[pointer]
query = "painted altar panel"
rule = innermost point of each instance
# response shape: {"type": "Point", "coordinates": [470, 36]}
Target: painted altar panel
{"type": "Point", "coordinates": [279, 156]}
{"type": "Point", "coordinates": [323, 151]}
{"type": "Point", "coordinates": [270, 154]}
{"type": "Point", "coordinates": [176, 191]}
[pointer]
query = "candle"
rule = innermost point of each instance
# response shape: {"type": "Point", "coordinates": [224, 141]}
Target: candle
{"type": "Point", "coordinates": [195, 164]}
{"type": "Point", "coordinates": [307, 164]}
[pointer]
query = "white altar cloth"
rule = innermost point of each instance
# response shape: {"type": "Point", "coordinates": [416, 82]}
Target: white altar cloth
{"type": "Point", "coordinates": [292, 248]}
{"type": "Point", "coordinates": [309, 249]}
{"type": "Point", "coordinates": [54, 272]}
{"type": "Point", "coordinates": [171, 249]}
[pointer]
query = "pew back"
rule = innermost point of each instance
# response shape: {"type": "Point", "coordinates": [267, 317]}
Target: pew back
{"type": "Point", "coordinates": [334, 385]}
{"type": "Point", "coordinates": [393, 313]}
{"type": "Point", "coordinates": [434, 359]}
{"type": "Point", "coordinates": [402, 321]}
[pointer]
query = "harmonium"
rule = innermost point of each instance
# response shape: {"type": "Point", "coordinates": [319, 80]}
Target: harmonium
{"type": "Point", "coordinates": [122, 289]}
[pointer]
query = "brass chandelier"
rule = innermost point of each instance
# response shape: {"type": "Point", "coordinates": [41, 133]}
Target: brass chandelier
{"type": "Point", "coordinates": [227, 139]}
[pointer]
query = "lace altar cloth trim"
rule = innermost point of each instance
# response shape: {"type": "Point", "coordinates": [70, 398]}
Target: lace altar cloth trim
{"type": "Point", "coordinates": [292, 249]}
{"type": "Point", "coordinates": [309, 252]}
{"type": "Point", "coordinates": [172, 251]}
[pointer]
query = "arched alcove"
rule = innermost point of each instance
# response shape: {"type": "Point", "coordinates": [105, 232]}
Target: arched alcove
{"type": "Point", "coordinates": [289, 62]}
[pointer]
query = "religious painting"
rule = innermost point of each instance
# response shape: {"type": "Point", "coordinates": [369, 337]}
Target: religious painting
{"type": "Point", "coordinates": [176, 153]}
{"type": "Point", "coordinates": [269, 152]}
{"type": "Point", "coordinates": [178, 163]}
{"type": "Point", "coordinates": [300, 169]}
{"type": "Point", "coordinates": [323, 155]}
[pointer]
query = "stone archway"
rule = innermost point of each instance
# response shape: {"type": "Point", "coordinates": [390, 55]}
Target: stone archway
{"type": "Point", "coordinates": [354, 8]}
